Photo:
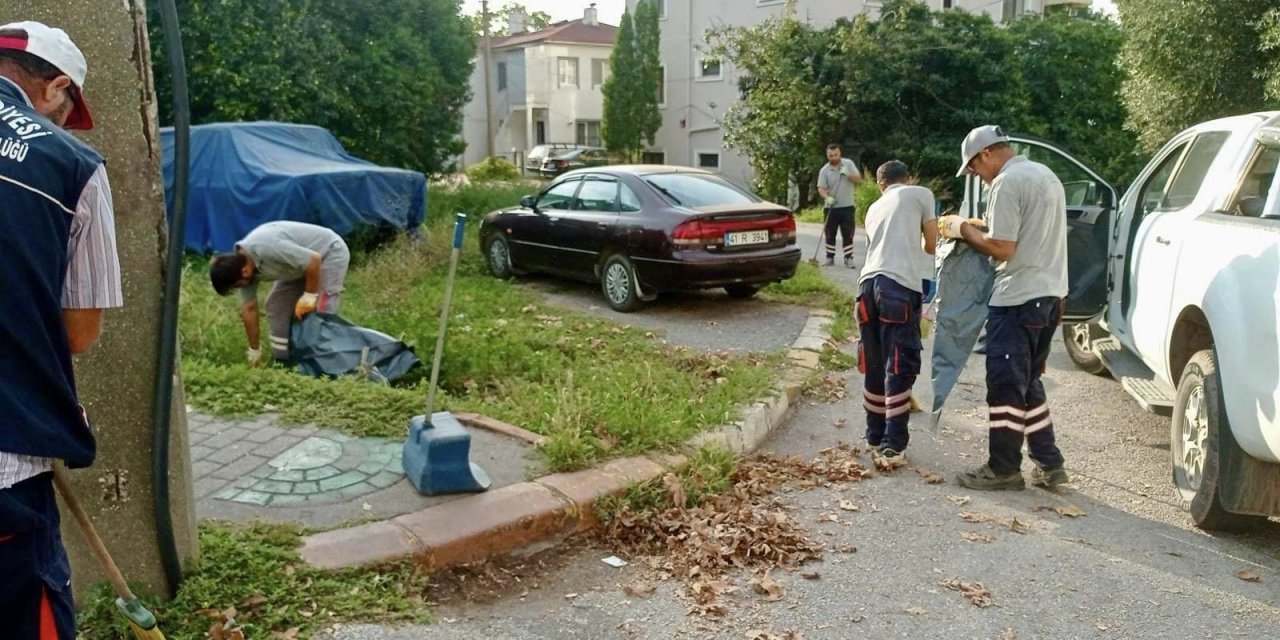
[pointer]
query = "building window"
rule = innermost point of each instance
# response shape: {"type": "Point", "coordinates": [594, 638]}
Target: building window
{"type": "Point", "coordinates": [662, 86]}
{"type": "Point", "coordinates": [502, 76]}
{"type": "Point", "coordinates": [709, 69]}
{"type": "Point", "coordinates": [709, 160]}
{"type": "Point", "coordinates": [1013, 9]}
{"type": "Point", "coordinates": [588, 133]}
{"type": "Point", "coordinates": [568, 72]}
{"type": "Point", "coordinates": [599, 71]}
{"type": "Point", "coordinates": [662, 8]}
{"type": "Point", "coordinates": [653, 157]}
{"type": "Point", "coordinates": [946, 4]}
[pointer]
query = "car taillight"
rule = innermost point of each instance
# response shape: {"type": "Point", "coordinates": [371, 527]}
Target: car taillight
{"type": "Point", "coordinates": [711, 232]}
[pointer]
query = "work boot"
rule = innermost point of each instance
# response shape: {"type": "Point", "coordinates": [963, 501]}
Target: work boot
{"type": "Point", "coordinates": [984, 479]}
{"type": "Point", "coordinates": [848, 262]}
{"type": "Point", "coordinates": [1049, 478]}
{"type": "Point", "coordinates": [888, 458]}
{"type": "Point", "coordinates": [831, 262]}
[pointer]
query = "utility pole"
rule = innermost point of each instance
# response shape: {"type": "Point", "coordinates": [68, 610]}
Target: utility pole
{"type": "Point", "coordinates": [488, 85]}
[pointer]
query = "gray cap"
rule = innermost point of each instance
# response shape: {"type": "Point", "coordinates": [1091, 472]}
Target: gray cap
{"type": "Point", "coordinates": [977, 140]}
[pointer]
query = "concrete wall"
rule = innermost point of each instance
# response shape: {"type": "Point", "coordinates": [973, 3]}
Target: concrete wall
{"type": "Point", "coordinates": [117, 377]}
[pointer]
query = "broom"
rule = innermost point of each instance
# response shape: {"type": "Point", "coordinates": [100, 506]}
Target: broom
{"type": "Point", "coordinates": [826, 211]}
{"type": "Point", "coordinates": [140, 620]}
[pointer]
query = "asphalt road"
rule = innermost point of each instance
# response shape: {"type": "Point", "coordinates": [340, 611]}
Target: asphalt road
{"type": "Point", "coordinates": [1130, 567]}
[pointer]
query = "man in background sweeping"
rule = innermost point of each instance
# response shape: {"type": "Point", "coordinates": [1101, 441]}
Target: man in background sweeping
{"type": "Point", "coordinates": [903, 235]}
{"type": "Point", "coordinates": [60, 271]}
{"type": "Point", "coordinates": [308, 264]}
{"type": "Point", "coordinates": [836, 182]}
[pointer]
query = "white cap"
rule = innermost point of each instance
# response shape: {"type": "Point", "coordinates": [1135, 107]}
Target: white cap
{"type": "Point", "coordinates": [55, 47]}
{"type": "Point", "coordinates": [976, 141]}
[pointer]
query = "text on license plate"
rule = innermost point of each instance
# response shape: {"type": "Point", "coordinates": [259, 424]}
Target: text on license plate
{"type": "Point", "coordinates": [740, 238]}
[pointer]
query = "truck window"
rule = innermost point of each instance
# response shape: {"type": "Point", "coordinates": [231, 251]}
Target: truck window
{"type": "Point", "coordinates": [1186, 183]}
{"type": "Point", "coordinates": [1154, 189]}
{"type": "Point", "coordinates": [1256, 183]}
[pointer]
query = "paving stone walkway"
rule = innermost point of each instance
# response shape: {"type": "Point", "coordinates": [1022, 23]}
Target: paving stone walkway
{"type": "Point", "coordinates": [257, 468]}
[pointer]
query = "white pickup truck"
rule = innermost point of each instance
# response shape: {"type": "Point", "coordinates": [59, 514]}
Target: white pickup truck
{"type": "Point", "coordinates": [1175, 292]}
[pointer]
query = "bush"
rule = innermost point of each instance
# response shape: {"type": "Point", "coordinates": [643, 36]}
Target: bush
{"type": "Point", "coordinates": [493, 168]}
{"type": "Point", "coordinates": [474, 200]}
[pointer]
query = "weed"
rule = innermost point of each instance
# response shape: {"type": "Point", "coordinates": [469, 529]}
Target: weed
{"type": "Point", "coordinates": [256, 569]}
{"type": "Point", "coordinates": [707, 472]}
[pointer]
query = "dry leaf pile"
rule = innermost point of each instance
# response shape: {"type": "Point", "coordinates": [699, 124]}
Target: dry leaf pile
{"type": "Point", "coordinates": [830, 389]}
{"type": "Point", "coordinates": [746, 528]}
{"type": "Point", "coordinates": [974, 591]}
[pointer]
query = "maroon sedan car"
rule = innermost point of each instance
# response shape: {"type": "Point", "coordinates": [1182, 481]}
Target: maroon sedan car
{"type": "Point", "coordinates": [640, 230]}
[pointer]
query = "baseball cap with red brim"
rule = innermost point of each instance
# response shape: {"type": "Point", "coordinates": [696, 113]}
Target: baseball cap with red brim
{"type": "Point", "coordinates": [55, 47]}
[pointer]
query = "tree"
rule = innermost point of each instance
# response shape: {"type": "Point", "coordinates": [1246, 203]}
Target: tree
{"type": "Point", "coordinates": [1193, 61]}
{"type": "Point", "coordinates": [389, 80]}
{"type": "Point", "coordinates": [498, 25]}
{"type": "Point", "coordinates": [631, 116]}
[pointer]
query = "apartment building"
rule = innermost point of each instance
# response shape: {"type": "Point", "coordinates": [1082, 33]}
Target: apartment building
{"type": "Point", "coordinates": [697, 91]}
{"type": "Point", "coordinates": [546, 86]}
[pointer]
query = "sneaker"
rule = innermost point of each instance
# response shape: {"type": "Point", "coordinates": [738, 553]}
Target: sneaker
{"type": "Point", "coordinates": [1049, 478]}
{"type": "Point", "coordinates": [888, 458]}
{"type": "Point", "coordinates": [831, 262]}
{"type": "Point", "coordinates": [848, 262]}
{"type": "Point", "coordinates": [984, 479]}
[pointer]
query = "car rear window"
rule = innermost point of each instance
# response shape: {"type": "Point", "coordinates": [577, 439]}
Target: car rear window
{"type": "Point", "coordinates": [695, 190]}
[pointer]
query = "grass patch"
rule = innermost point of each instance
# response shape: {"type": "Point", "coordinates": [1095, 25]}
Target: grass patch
{"type": "Point", "coordinates": [594, 388]}
{"type": "Point", "coordinates": [256, 569]}
{"type": "Point", "coordinates": [708, 472]}
{"type": "Point", "coordinates": [810, 288]}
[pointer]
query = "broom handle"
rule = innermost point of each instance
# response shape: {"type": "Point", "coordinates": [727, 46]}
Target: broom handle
{"type": "Point", "coordinates": [458, 228]}
{"type": "Point", "coordinates": [90, 534]}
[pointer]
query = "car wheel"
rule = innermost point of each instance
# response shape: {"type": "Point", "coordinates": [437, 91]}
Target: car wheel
{"type": "Point", "coordinates": [741, 291]}
{"type": "Point", "coordinates": [498, 254]}
{"type": "Point", "coordinates": [1078, 338]}
{"type": "Point", "coordinates": [618, 283]}
{"type": "Point", "coordinates": [1199, 437]}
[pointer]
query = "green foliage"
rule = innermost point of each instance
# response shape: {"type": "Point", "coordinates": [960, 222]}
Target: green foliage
{"type": "Point", "coordinates": [493, 168]}
{"type": "Point", "coordinates": [708, 472]}
{"type": "Point", "coordinates": [389, 80]}
{"type": "Point", "coordinates": [1193, 61]}
{"type": "Point", "coordinates": [809, 287]}
{"type": "Point", "coordinates": [911, 85]}
{"type": "Point", "coordinates": [596, 389]}
{"type": "Point", "coordinates": [256, 569]}
{"type": "Point", "coordinates": [631, 116]}
{"type": "Point", "coordinates": [498, 26]}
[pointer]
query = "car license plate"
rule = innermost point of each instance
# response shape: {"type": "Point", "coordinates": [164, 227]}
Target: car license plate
{"type": "Point", "coordinates": [742, 238]}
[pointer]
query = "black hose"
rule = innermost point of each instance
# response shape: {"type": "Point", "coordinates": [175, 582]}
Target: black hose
{"type": "Point", "coordinates": [162, 409]}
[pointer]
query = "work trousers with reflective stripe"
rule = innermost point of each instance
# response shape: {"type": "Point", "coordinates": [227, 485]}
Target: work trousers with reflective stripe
{"type": "Point", "coordinates": [839, 219]}
{"type": "Point", "coordinates": [1018, 340]}
{"type": "Point", "coordinates": [35, 577]}
{"type": "Point", "coordinates": [285, 293]}
{"type": "Point", "coordinates": [888, 357]}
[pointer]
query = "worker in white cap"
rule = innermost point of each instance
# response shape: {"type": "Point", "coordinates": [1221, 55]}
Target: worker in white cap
{"type": "Point", "coordinates": [58, 272]}
{"type": "Point", "coordinates": [1027, 237]}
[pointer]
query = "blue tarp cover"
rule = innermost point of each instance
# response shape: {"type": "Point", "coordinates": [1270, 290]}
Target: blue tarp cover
{"type": "Point", "coordinates": [247, 173]}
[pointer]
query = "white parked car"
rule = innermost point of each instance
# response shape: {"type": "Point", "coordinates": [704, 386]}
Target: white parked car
{"type": "Point", "coordinates": [1176, 293]}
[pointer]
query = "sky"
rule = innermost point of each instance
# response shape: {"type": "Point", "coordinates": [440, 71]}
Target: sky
{"type": "Point", "coordinates": [611, 10]}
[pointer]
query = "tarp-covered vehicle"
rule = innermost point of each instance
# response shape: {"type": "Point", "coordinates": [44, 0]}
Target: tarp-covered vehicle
{"type": "Point", "coordinates": [246, 173]}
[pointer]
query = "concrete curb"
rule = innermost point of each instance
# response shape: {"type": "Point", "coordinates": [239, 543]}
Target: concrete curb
{"type": "Point", "coordinates": [506, 519]}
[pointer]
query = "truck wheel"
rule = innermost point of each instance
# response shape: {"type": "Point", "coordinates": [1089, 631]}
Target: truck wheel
{"type": "Point", "coordinates": [1199, 436]}
{"type": "Point", "coordinates": [1078, 338]}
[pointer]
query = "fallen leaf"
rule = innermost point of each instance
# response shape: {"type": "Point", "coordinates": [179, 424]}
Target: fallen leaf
{"type": "Point", "coordinates": [1007, 634]}
{"type": "Point", "coordinates": [290, 634]}
{"type": "Point", "coordinates": [916, 611]}
{"type": "Point", "coordinates": [253, 601]}
{"type": "Point", "coordinates": [1070, 511]}
{"type": "Point", "coordinates": [974, 536]}
{"type": "Point", "coordinates": [974, 591]}
{"type": "Point", "coordinates": [1248, 576]}
{"type": "Point", "coordinates": [827, 516]}
{"type": "Point", "coordinates": [846, 548]}
{"type": "Point", "coordinates": [771, 589]}
{"type": "Point", "coordinates": [848, 505]}
{"type": "Point", "coordinates": [811, 575]}
{"type": "Point", "coordinates": [640, 589]}
{"type": "Point", "coordinates": [960, 501]}
{"type": "Point", "coordinates": [570, 596]}
{"type": "Point", "coordinates": [840, 422]}
{"type": "Point", "coordinates": [930, 477]}
{"type": "Point", "coordinates": [973, 517]}
{"type": "Point", "coordinates": [675, 490]}
{"type": "Point", "coordinates": [1018, 526]}
{"type": "Point", "coordinates": [1102, 627]}
{"type": "Point", "coordinates": [856, 618]}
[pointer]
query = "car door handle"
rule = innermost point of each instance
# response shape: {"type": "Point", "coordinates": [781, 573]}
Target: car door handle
{"type": "Point", "coordinates": [553, 219]}
{"type": "Point", "coordinates": [1161, 240]}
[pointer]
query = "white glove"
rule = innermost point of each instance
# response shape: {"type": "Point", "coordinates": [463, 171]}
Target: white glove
{"type": "Point", "coordinates": [844, 170]}
{"type": "Point", "coordinates": [306, 304]}
{"type": "Point", "coordinates": [255, 356]}
{"type": "Point", "coordinates": [949, 227]}
{"type": "Point", "coordinates": [831, 201]}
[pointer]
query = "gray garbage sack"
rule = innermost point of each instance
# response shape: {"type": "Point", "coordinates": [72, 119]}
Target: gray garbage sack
{"type": "Point", "coordinates": [324, 344]}
{"type": "Point", "coordinates": [965, 280]}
